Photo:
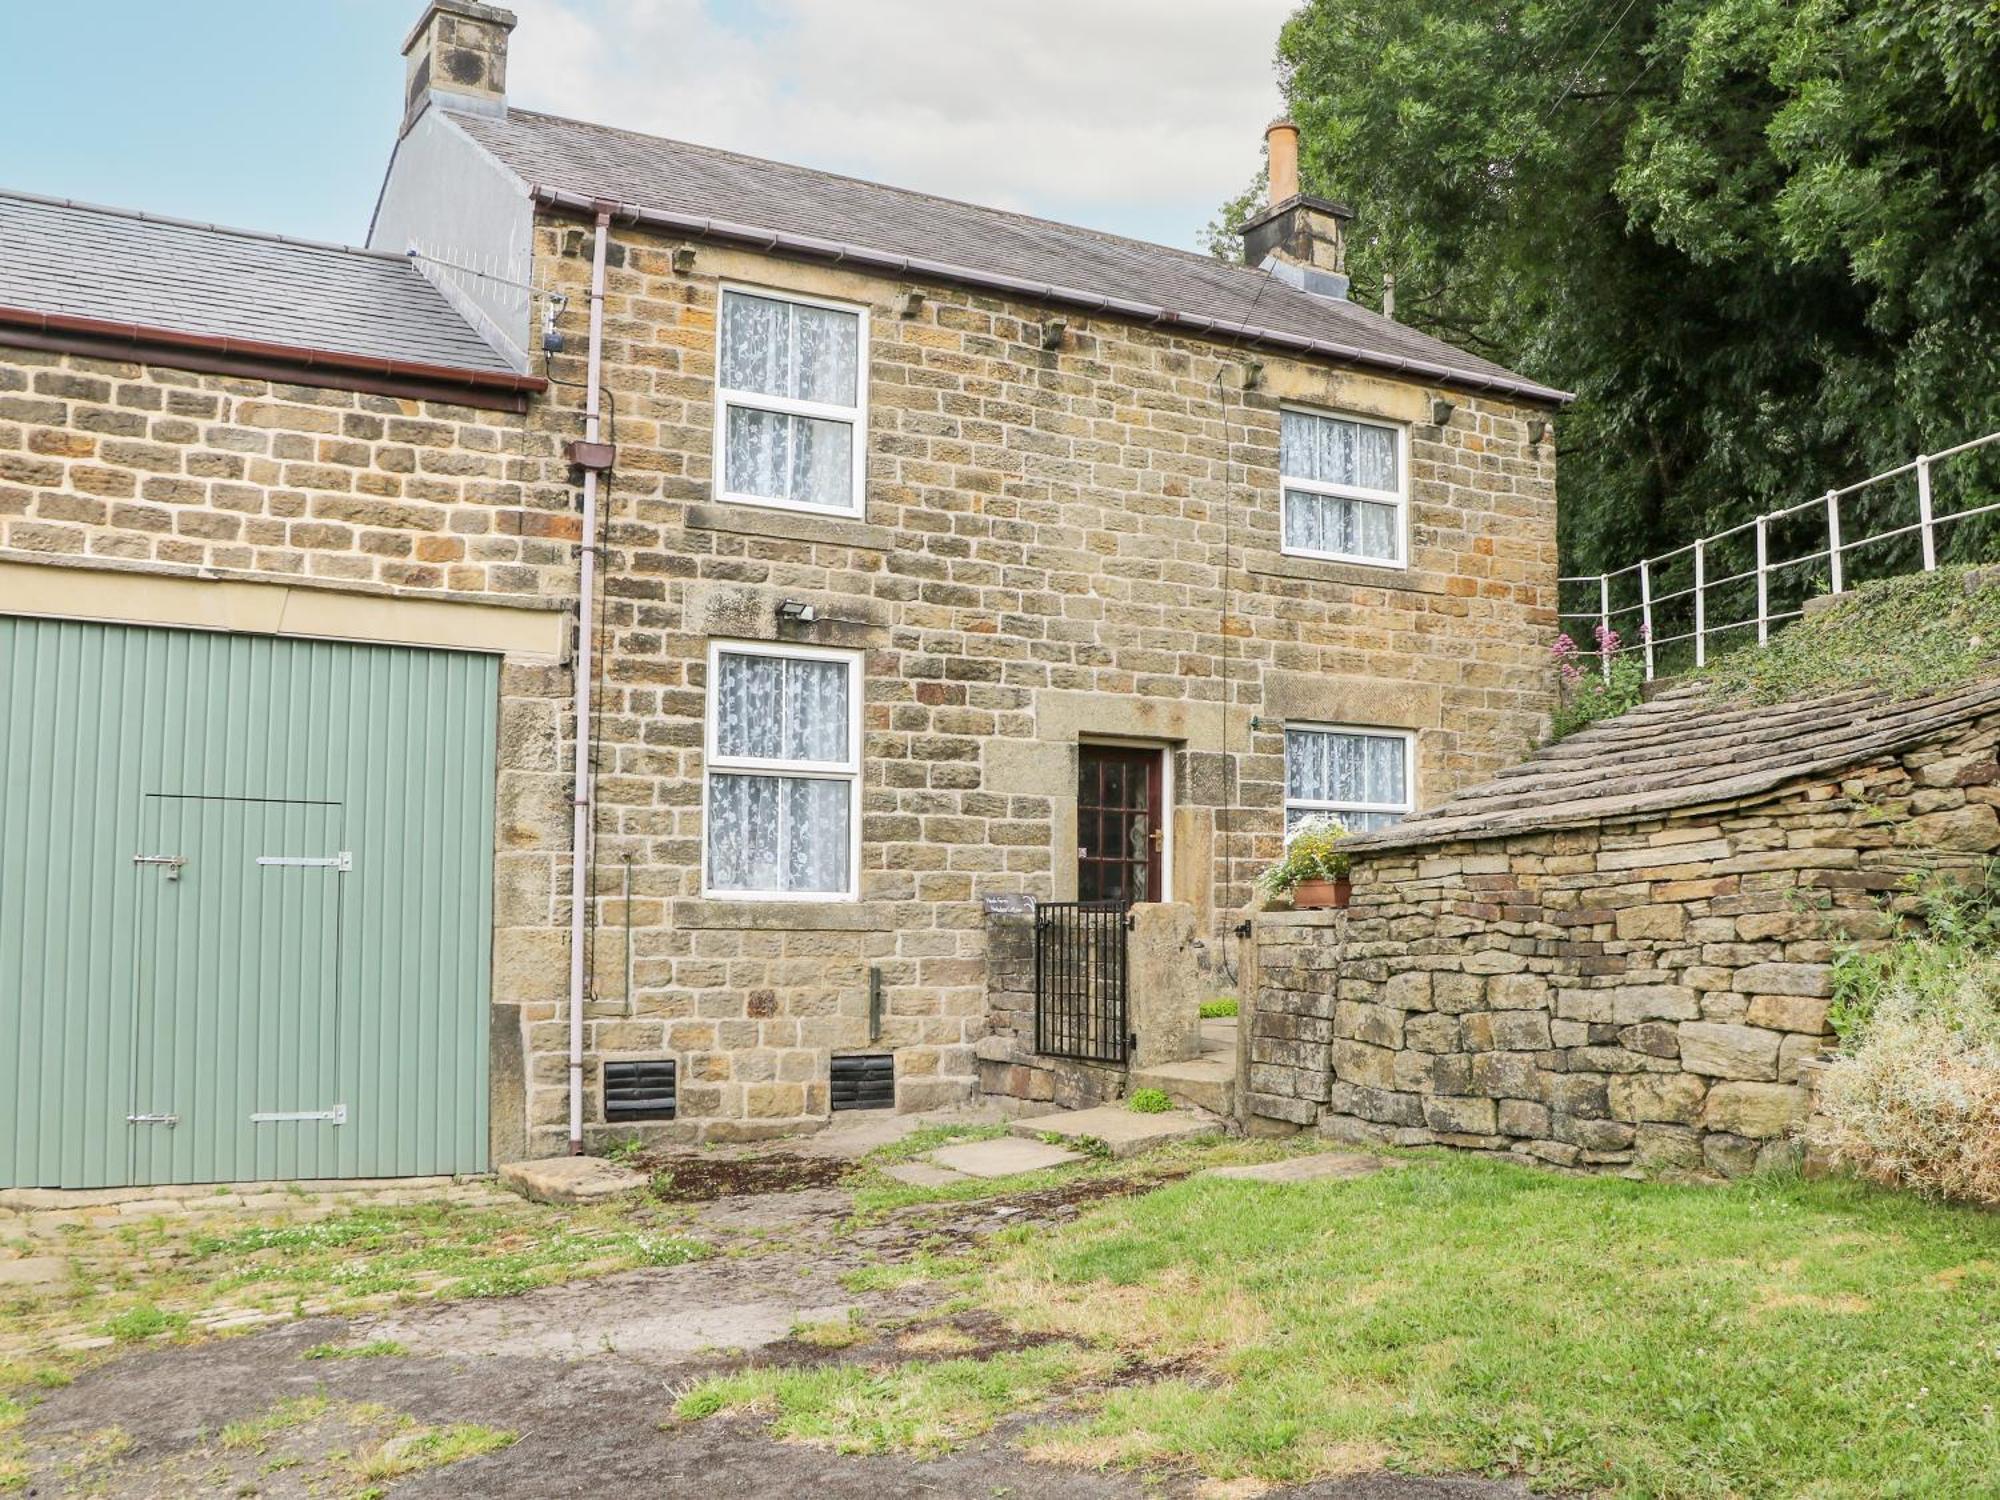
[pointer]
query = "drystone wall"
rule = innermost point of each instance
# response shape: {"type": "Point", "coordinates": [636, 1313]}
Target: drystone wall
{"type": "Point", "coordinates": [1636, 995]}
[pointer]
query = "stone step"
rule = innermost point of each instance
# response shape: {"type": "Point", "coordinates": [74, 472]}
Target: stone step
{"type": "Point", "coordinates": [1207, 1082]}
{"type": "Point", "coordinates": [1126, 1132]}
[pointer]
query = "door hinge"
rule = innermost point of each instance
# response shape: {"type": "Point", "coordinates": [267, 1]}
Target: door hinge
{"type": "Point", "coordinates": [337, 1115]}
{"type": "Point", "coordinates": [342, 861]}
{"type": "Point", "coordinates": [173, 862]}
{"type": "Point", "coordinates": [170, 1121]}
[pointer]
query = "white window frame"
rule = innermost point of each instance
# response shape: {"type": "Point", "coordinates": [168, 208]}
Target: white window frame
{"type": "Point", "coordinates": [1334, 809]}
{"type": "Point", "coordinates": [856, 415]}
{"type": "Point", "coordinates": [713, 763]}
{"type": "Point", "coordinates": [1398, 497]}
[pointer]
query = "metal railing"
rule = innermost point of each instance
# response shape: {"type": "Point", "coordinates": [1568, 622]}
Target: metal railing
{"type": "Point", "coordinates": [1685, 588]}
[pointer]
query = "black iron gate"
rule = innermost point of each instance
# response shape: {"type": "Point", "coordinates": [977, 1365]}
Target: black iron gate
{"type": "Point", "coordinates": [1080, 973]}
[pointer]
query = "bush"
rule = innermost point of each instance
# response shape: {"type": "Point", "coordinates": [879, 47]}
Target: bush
{"type": "Point", "coordinates": [1585, 692]}
{"type": "Point", "coordinates": [1149, 1102]}
{"type": "Point", "coordinates": [1220, 1008]}
{"type": "Point", "coordinates": [1916, 1093]}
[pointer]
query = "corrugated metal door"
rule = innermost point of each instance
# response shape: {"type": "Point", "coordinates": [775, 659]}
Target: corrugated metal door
{"type": "Point", "coordinates": [220, 989]}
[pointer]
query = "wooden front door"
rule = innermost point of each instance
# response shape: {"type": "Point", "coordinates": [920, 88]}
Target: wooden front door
{"type": "Point", "coordinates": [1119, 833]}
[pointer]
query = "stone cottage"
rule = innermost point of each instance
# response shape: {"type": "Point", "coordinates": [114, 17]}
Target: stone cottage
{"type": "Point", "coordinates": [1616, 954]}
{"type": "Point", "coordinates": [841, 559]}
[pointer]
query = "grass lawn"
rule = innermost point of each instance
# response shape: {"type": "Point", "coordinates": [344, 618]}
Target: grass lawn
{"type": "Point", "coordinates": [1769, 1338]}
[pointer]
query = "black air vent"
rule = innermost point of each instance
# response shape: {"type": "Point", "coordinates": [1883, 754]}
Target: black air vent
{"type": "Point", "coordinates": [867, 1081]}
{"type": "Point", "coordinates": [639, 1090]}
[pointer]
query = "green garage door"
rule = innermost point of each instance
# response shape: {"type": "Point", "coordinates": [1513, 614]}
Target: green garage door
{"type": "Point", "coordinates": [245, 906]}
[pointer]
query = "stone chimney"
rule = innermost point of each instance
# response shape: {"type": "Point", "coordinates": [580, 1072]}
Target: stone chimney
{"type": "Point", "coordinates": [457, 55]}
{"type": "Point", "coordinates": [1299, 239]}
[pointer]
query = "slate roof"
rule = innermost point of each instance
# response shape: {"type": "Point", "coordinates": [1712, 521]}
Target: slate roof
{"type": "Point", "coordinates": [118, 266]}
{"type": "Point", "coordinates": [641, 171]}
{"type": "Point", "coordinates": [1682, 750]}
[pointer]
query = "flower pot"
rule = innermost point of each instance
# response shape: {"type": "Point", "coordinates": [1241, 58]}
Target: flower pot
{"type": "Point", "coordinates": [1318, 895]}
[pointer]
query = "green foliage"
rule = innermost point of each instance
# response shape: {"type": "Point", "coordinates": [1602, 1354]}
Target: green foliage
{"type": "Point", "coordinates": [373, 1349]}
{"type": "Point", "coordinates": [1956, 923]}
{"type": "Point", "coordinates": [1589, 695]}
{"type": "Point", "coordinates": [1149, 1102]}
{"type": "Point", "coordinates": [1759, 238]}
{"type": "Point", "coordinates": [1920, 633]}
{"type": "Point", "coordinates": [1314, 853]}
{"type": "Point", "coordinates": [142, 1321]}
{"type": "Point", "coordinates": [1222, 1007]}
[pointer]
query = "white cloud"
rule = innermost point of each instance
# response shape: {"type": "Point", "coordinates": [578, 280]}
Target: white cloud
{"type": "Point", "coordinates": [1138, 116]}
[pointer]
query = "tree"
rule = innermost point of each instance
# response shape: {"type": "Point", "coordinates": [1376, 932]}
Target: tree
{"type": "Point", "coordinates": [1760, 239]}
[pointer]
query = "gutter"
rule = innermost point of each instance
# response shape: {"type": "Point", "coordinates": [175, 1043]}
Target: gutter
{"type": "Point", "coordinates": [841, 253]}
{"type": "Point", "coordinates": [226, 347]}
{"type": "Point", "coordinates": [583, 798]}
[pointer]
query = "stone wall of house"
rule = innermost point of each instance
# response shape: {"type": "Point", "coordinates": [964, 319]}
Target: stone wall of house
{"type": "Point", "coordinates": [1642, 994]}
{"type": "Point", "coordinates": [1059, 543]}
{"type": "Point", "coordinates": [110, 466]}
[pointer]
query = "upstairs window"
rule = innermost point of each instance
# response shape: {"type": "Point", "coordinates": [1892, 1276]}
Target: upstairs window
{"type": "Point", "coordinates": [1360, 778]}
{"type": "Point", "coordinates": [784, 772]}
{"type": "Point", "coordinates": [1344, 488]}
{"type": "Point", "coordinates": [790, 402]}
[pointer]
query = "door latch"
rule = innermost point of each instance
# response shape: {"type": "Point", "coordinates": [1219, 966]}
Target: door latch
{"type": "Point", "coordinates": [335, 1116]}
{"type": "Point", "coordinates": [170, 1121]}
{"type": "Point", "coordinates": [343, 861]}
{"type": "Point", "coordinates": [173, 862]}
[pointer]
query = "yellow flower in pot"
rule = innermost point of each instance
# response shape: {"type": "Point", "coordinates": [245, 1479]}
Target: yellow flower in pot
{"type": "Point", "coordinates": [1315, 868]}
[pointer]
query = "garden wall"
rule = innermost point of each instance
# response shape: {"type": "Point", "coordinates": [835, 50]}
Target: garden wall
{"type": "Point", "coordinates": [1628, 994]}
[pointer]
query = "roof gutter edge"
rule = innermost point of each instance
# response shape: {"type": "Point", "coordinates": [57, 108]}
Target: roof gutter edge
{"type": "Point", "coordinates": [777, 241]}
{"type": "Point", "coordinates": [293, 354]}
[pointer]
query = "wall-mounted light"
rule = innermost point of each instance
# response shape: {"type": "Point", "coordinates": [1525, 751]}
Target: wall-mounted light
{"type": "Point", "coordinates": [552, 339]}
{"type": "Point", "coordinates": [1538, 428]}
{"type": "Point", "coordinates": [1253, 374]}
{"type": "Point", "coordinates": [1053, 331]}
{"type": "Point", "coordinates": [1441, 411]}
{"type": "Point", "coordinates": [683, 259]}
{"type": "Point", "coordinates": [909, 304]}
{"type": "Point", "coordinates": [797, 611]}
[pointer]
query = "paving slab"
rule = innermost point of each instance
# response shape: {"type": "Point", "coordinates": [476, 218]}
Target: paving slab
{"type": "Point", "coordinates": [570, 1179]}
{"type": "Point", "coordinates": [922, 1174]}
{"type": "Point", "coordinates": [1322, 1166]}
{"type": "Point", "coordinates": [1125, 1131]}
{"type": "Point", "coordinates": [34, 1270]}
{"type": "Point", "coordinates": [1002, 1157]}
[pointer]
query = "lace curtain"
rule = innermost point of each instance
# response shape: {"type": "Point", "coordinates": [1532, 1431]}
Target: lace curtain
{"type": "Point", "coordinates": [1334, 523]}
{"type": "Point", "coordinates": [1329, 767]}
{"type": "Point", "coordinates": [784, 832]}
{"type": "Point", "coordinates": [801, 353]}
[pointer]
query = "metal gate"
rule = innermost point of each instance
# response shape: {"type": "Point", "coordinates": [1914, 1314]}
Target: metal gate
{"type": "Point", "coordinates": [1080, 977]}
{"type": "Point", "coordinates": [245, 906]}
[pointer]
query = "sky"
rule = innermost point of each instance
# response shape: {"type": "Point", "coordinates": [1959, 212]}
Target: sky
{"type": "Point", "coordinates": [1135, 116]}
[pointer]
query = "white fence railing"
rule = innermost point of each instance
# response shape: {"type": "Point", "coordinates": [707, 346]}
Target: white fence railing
{"type": "Point", "coordinates": [1748, 555]}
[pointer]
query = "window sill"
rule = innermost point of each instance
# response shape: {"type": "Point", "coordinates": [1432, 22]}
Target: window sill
{"type": "Point", "coordinates": [708, 913]}
{"type": "Point", "coordinates": [1326, 570]}
{"type": "Point", "coordinates": [787, 525]}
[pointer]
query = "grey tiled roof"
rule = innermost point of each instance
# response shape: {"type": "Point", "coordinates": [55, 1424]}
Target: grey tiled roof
{"type": "Point", "coordinates": [1684, 749]}
{"type": "Point", "coordinates": [84, 261]}
{"type": "Point", "coordinates": [641, 171]}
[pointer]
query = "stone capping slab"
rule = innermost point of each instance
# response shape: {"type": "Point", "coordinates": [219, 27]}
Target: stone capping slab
{"type": "Point", "coordinates": [1680, 751]}
{"type": "Point", "coordinates": [783, 916]}
{"type": "Point", "coordinates": [790, 526]}
{"type": "Point", "coordinates": [229, 1195]}
{"type": "Point", "coordinates": [1126, 1132]}
{"type": "Point", "coordinates": [570, 1179]}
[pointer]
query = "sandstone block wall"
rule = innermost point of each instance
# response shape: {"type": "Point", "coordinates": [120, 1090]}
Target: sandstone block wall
{"type": "Point", "coordinates": [1058, 543]}
{"type": "Point", "coordinates": [1643, 994]}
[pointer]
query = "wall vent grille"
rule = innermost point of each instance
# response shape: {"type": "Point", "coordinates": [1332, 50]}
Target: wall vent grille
{"type": "Point", "coordinates": [639, 1090]}
{"type": "Point", "coordinates": [864, 1081]}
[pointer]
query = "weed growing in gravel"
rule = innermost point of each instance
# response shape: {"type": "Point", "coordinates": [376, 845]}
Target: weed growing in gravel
{"type": "Point", "coordinates": [373, 1349]}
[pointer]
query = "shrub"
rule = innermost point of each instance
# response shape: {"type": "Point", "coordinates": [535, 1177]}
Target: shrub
{"type": "Point", "coordinates": [1585, 694]}
{"type": "Point", "coordinates": [1149, 1101]}
{"type": "Point", "coordinates": [1916, 1093]}
{"type": "Point", "coordinates": [1220, 1008]}
{"type": "Point", "coordinates": [1314, 853]}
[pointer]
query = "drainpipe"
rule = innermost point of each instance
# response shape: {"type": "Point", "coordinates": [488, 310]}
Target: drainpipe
{"type": "Point", "coordinates": [586, 629]}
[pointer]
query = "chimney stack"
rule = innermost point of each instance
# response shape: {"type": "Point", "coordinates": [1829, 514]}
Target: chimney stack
{"type": "Point", "coordinates": [457, 56]}
{"type": "Point", "coordinates": [1299, 239]}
